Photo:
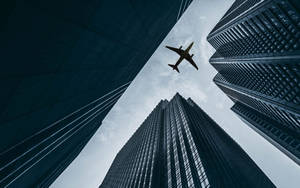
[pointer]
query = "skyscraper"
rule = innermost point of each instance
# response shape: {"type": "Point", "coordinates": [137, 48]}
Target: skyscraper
{"type": "Point", "coordinates": [64, 64]}
{"type": "Point", "coordinates": [179, 145]}
{"type": "Point", "coordinates": [258, 62]}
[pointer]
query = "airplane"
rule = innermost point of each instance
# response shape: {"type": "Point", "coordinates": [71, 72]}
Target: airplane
{"type": "Point", "coordinates": [184, 54]}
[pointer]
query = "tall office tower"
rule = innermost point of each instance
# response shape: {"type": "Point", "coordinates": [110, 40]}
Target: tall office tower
{"type": "Point", "coordinates": [257, 57]}
{"type": "Point", "coordinates": [179, 145]}
{"type": "Point", "coordinates": [64, 64]}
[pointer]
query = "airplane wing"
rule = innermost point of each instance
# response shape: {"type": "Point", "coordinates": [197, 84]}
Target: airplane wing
{"type": "Point", "coordinates": [191, 61]}
{"type": "Point", "coordinates": [179, 51]}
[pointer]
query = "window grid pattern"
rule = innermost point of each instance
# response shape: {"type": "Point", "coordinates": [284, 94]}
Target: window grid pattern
{"type": "Point", "coordinates": [196, 158]}
{"type": "Point", "coordinates": [257, 59]}
{"type": "Point", "coordinates": [235, 10]}
{"type": "Point", "coordinates": [186, 161]}
{"type": "Point", "coordinates": [169, 169]}
{"type": "Point", "coordinates": [185, 155]}
{"type": "Point", "coordinates": [175, 152]}
{"type": "Point", "coordinates": [271, 30]}
{"type": "Point", "coordinates": [281, 82]}
{"type": "Point", "coordinates": [285, 118]}
{"type": "Point", "coordinates": [165, 152]}
{"type": "Point", "coordinates": [270, 128]}
{"type": "Point", "coordinates": [212, 142]}
{"type": "Point", "coordinates": [134, 168]}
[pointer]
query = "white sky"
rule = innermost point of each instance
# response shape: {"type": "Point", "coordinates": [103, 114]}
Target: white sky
{"type": "Point", "coordinates": [157, 81]}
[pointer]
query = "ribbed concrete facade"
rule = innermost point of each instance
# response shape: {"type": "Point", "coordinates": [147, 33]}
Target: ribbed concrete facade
{"type": "Point", "coordinates": [257, 57]}
{"type": "Point", "coordinates": [179, 145]}
{"type": "Point", "coordinates": [64, 64]}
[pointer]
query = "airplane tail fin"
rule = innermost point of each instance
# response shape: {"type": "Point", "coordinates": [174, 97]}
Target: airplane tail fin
{"type": "Point", "coordinates": [174, 67]}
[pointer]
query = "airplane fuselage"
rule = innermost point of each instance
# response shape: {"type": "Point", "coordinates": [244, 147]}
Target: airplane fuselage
{"type": "Point", "coordinates": [184, 54]}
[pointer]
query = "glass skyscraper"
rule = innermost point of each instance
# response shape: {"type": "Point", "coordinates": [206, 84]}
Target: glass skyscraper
{"type": "Point", "coordinates": [64, 64]}
{"type": "Point", "coordinates": [257, 57]}
{"type": "Point", "coordinates": [179, 145]}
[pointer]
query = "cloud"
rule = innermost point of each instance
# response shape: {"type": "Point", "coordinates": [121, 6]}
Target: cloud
{"type": "Point", "coordinates": [206, 49]}
{"type": "Point", "coordinates": [157, 81]}
{"type": "Point", "coordinates": [220, 105]}
{"type": "Point", "coordinates": [202, 17]}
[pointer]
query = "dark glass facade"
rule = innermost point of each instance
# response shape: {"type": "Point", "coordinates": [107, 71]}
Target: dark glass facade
{"type": "Point", "coordinates": [283, 138]}
{"type": "Point", "coordinates": [179, 145]}
{"type": "Point", "coordinates": [258, 62]}
{"type": "Point", "coordinates": [64, 64]}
